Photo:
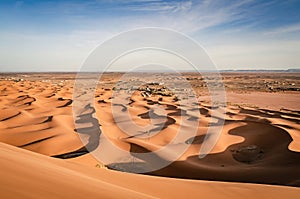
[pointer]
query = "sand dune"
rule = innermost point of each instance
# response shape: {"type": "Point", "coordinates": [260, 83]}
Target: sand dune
{"type": "Point", "coordinates": [25, 174]}
{"type": "Point", "coordinates": [259, 142]}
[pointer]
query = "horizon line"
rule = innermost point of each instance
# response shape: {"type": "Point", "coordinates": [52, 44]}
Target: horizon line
{"type": "Point", "coordinates": [291, 70]}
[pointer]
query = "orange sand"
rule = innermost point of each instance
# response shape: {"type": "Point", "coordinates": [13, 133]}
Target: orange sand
{"type": "Point", "coordinates": [36, 116]}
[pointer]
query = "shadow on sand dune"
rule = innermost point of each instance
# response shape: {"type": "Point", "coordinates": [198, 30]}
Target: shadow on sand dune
{"type": "Point", "coordinates": [93, 133]}
{"type": "Point", "coordinates": [263, 157]}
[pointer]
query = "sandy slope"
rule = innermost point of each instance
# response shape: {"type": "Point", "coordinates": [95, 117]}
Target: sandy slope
{"type": "Point", "coordinates": [25, 174]}
{"type": "Point", "coordinates": [259, 143]}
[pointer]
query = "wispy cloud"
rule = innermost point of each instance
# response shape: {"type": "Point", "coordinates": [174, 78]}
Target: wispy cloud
{"type": "Point", "coordinates": [292, 28]}
{"type": "Point", "coordinates": [160, 7]}
{"type": "Point", "coordinates": [185, 16]}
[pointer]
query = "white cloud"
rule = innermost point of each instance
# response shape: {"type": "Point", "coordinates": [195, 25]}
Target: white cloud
{"type": "Point", "coordinates": [189, 16]}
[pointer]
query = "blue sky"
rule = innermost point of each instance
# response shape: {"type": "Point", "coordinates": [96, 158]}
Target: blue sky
{"type": "Point", "coordinates": [237, 34]}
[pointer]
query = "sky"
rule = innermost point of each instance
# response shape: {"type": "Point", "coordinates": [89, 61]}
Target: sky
{"type": "Point", "coordinates": [236, 34]}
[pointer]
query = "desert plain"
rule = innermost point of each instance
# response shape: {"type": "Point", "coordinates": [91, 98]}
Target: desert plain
{"type": "Point", "coordinates": [257, 154]}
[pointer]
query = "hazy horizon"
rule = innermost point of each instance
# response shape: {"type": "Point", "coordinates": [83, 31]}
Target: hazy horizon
{"type": "Point", "coordinates": [291, 70]}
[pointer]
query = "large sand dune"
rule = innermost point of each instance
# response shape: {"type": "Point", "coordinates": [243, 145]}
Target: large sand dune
{"type": "Point", "coordinates": [25, 174]}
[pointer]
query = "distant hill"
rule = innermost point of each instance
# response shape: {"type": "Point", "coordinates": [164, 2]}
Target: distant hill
{"type": "Point", "coordinates": [293, 70]}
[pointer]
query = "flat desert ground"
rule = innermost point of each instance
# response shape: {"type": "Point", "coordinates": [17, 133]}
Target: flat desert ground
{"type": "Point", "coordinates": [257, 153]}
